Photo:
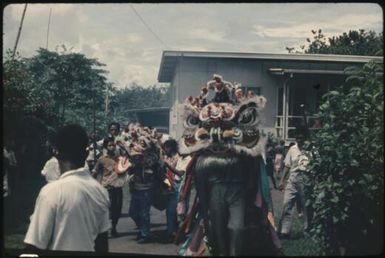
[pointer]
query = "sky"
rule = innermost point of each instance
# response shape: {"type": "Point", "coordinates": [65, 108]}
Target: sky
{"type": "Point", "coordinates": [130, 38]}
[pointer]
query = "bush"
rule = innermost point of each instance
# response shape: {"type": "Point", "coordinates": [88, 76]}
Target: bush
{"type": "Point", "coordinates": [346, 176]}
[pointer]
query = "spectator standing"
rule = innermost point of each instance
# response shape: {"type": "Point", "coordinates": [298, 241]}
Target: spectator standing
{"type": "Point", "coordinates": [112, 179]}
{"type": "Point", "coordinates": [278, 159]}
{"type": "Point", "coordinates": [51, 170]}
{"type": "Point", "coordinates": [270, 163]}
{"type": "Point", "coordinates": [71, 213]}
{"type": "Point", "coordinates": [11, 183]}
{"type": "Point", "coordinates": [296, 165]}
{"type": "Point", "coordinates": [10, 168]}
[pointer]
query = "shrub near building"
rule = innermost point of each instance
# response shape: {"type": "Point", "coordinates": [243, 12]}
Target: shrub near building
{"type": "Point", "coordinates": [346, 180]}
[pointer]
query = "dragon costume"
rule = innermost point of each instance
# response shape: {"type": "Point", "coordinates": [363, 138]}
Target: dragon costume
{"type": "Point", "coordinates": [232, 211]}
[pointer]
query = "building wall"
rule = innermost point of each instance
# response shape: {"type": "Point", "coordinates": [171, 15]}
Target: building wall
{"type": "Point", "coordinates": [193, 73]}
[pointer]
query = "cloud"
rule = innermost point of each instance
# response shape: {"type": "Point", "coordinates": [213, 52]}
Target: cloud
{"type": "Point", "coordinates": [134, 38]}
{"type": "Point", "coordinates": [117, 37]}
{"type": "Point", "coordinates": [205, 34]}
{"type": "Point", "coordinates": [340, 24]}
{"type": "Point", "coordinates": [38, 10]}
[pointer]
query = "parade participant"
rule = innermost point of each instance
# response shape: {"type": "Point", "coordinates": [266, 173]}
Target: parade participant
{"type": "Point", "coordinates": [92, 157]}
{"type": "Point", "coordinates": [125, 136]}
{"type": "Point", "coordinates": [233, 199]}
{"type": "Point", "coordinates": [112, 179]}
{"type": "Point", "coordinates": [239, 95]}
{"type": "Point", "coordinates": [114, 129]}
{"type": "Point", "coordinates": [71, 213]}
{"type": "Point", "coordinates": [145, 170]}
{"type": "Point", "coordinates": [176, 168]}
{"type": "Point", "coordinates": [223, 89]}
{"type": "Point", "coordinates": [296, 165]}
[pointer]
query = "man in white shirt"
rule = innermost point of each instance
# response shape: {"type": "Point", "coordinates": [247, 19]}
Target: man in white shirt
{"type": "Point", "coordinates": [51, 170]}
{"type": "Point", "coordinates": [296, 163]}
{"type": "Point", "coordinates": [71, 213]}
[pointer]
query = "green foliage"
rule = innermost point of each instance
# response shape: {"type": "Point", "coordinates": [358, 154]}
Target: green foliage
{"type": "Point", "coordinates": [58, 87]}
{"type": "Point", "coordinates": [360, 42]}
{"type": "Point", "coordinates": [346, 178]}
{"type": "Point", "coordinates": [67, 81]}
{"type": "Point", "coordinates": [137, 97]}
{"type": "Point", "coordinates": [50, 84]}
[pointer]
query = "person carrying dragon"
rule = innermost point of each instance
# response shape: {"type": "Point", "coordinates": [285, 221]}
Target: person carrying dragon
{"type": "Point", "coordinates": [232, 212]}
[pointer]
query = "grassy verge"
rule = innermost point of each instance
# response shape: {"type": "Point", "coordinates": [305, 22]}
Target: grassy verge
{"type": "Point", "coordinates": [14, 241]}
{"type": "Point", "coordinates": [16, 215]}
{"type": "Point", "coordinates": [298, 245]}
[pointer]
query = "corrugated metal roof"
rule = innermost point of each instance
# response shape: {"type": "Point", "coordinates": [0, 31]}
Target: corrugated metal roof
{"type": "Point", "coordinates": [281, 71]}
{"type": "Point", "coordinates": [169, 59]}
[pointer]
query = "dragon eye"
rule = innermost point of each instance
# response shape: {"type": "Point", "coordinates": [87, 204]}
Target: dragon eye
{"type": "Point", "coordinates": [192, 121]}
{"type": "Point", "coordinates": [248, 116]}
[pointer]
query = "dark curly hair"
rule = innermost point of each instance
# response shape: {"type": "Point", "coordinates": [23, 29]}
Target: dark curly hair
{"type": "Point", "coordinates": [172, 144]}
{"type": "Point", "coordinates": [107, 140]}
{"type": "Point", "coordinates": [114, 123]}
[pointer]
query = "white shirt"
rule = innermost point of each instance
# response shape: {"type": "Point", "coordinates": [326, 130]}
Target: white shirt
{"type": "Point", "coordinates": [296, 160]}
{"type": "Point", "coordinates": [69, 213]}
{"type": "Point", "coordinates": [51, 170]}
{"type": "Point", "coordinates": [182, 163]}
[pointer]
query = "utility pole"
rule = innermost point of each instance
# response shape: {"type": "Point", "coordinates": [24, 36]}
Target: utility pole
{"type": "Point", "coordinates": [49, 22]}
{"type": "Point", "coordinates": [19, 32]}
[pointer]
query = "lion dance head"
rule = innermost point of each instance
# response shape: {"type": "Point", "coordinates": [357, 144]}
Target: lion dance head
{"type": "Point", "coordinates": [224, 118]}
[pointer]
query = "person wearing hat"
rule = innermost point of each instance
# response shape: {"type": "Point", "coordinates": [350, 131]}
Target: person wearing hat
{"type": "Point", "coordinates": [112, 179]}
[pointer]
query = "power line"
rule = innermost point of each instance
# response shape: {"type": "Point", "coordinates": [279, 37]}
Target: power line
{"type": "Point", "coordinates": [148, 27]}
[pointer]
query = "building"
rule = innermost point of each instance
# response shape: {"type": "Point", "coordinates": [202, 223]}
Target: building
{"type": "Point", "coordinates": [153, 117]}
{"type": "Point", "coordinates": [290, 82]}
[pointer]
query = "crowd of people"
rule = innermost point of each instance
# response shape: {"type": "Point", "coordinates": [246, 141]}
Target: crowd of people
{"type": "Point", "coordinates": [76, 212]}
{"type": "Point", "coordinates": [138, 156]}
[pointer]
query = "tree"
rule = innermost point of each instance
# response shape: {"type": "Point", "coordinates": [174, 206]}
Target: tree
{"type": "Point", "coordinates": [67, 81]}
{"type": "Point", "coordinates": [20, 99]}
{"type": "Point", "coordinates": [56, 87]}
{"type": "Point", "coordinates": [361, 42]}
{"type": "Point", "coordinates": [137, 97]}
{"type": "Point", "coordinates": [346, 179]}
